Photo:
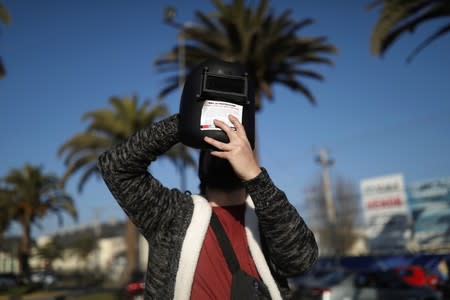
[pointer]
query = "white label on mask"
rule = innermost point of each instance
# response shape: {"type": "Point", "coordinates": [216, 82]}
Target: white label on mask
{"type": "Point", "coordinates": [219, 110]}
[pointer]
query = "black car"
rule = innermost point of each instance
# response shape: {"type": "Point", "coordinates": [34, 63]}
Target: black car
{"type": "Point", "coordinates": [8, 281]}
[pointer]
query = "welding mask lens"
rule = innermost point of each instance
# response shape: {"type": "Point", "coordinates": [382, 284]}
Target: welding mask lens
{"type": "Point", "coordinates": [228, 87]}
{"type": "Point", "coordinates": [229, 84]}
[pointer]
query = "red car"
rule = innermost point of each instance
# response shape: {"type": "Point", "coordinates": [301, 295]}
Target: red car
{"type": "Point", "coordinates": [134, 290]}
{"type": "Point", "coordinates": [416, 276]}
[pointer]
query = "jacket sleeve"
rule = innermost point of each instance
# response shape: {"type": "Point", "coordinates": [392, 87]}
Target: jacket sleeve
{"type": "Point", "coordinates": [144, 199]}
{"type": "Point", "coordinates": [290, 245]}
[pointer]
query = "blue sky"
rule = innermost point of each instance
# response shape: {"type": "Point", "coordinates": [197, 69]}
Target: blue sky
{"type": "Point", "coordinates": [376, 116]}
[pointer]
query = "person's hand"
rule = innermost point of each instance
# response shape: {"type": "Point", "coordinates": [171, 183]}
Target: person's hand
{"type": "Point", "coordinates": [238, 151]}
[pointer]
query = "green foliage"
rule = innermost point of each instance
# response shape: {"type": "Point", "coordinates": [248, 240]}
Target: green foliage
{"type": "Point", "coordinates": [5, 210]}
{"type": "Point", "coordinates": [106, 128]}
{"type": "Point", "coordinates": [5, 18]}
{"type": "Point", "coordinates": [84, 246]}
{"type": "Point", "coordinates": [398, 17]}
{"type": "Point", "coordinates": [33, 194]}
{"type": "Point", "coordinates": [267, 44]}
{"type": "Point", "coordinates": [28, 195]}
{"type": "Point", "coordinates": [50, 251]}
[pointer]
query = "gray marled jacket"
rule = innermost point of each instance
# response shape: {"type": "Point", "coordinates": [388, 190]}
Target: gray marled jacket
{"type": "Point", "coordinates": [175, 223]}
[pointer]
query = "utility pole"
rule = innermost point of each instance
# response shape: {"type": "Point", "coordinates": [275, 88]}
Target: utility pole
{"type": "Point", "coordinates": [169, 18]}
{"type": "Point", "coordinates": [310, 197]}
{"type": "Point", "coordinates": [323, 160]}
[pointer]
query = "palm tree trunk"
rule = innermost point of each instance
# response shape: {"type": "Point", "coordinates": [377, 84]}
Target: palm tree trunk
{"type": "Point", "coordinates": [132, 251]}
{"type": "Point", "coordinates": [24, 250]}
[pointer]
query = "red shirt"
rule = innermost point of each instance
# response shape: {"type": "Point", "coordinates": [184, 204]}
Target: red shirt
{"type": "Point", "coordinates": [212, 278]}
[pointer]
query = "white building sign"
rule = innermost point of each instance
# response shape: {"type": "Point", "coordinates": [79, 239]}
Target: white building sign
{"type": "Point", "coordinates": [386, 211]}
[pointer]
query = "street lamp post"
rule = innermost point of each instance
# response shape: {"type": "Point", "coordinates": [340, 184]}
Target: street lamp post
{"type": "Point", "coordinates": [325, 162]}
{"type": "Point", "coordinates": [169, 18]}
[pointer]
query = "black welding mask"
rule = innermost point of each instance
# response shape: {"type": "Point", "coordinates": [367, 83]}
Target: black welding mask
{"type": "Point", "coordinates": [214, 90]}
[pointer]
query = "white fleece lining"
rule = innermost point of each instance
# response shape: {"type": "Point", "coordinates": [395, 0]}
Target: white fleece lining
{"type": "Point", "coordinates": [193, 241]}
{"type": "Point", "coordinates": [254, 243]}
{"type": "Point", "coordinates": [192, 244]}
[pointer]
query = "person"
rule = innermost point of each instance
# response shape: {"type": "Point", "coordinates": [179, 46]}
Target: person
{"type": "Point", "coordinates": [270, 239]}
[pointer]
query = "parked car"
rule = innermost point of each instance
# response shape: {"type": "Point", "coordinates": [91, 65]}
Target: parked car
{"type": "Point", "coordinates": [389, 285]}
{"type": "Point", "coordinates": [134, 289]}
{"type": "Point", "coordinates": [46, 278]}
{"type": "Point", "coordinates": [377, 285]}
{"type": "Point", "coordinates": [417, 276]}
{"type": "Point", "coordinates": [8, 281]}
{"type": "Point", "coordinates": [329, 284]}
{"type": "Point", "coordinates": [311, 276]}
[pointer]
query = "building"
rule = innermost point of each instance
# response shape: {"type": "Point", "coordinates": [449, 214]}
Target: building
{"type": "Point", "coordinates": [8, 258]}
{"type": "Point", "coordinates": [429, 202]}
{"type": "Point", "coordinates": [386, 214]}
{"type": "Point", "coordinates": [107, 255]}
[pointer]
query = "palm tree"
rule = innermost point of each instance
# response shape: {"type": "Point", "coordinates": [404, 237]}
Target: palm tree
{"type": "Point", "coordinates": [50, 251]}
{"type": "Point", "coordinates": [5, 211]}
{"type": "Point", "coordinates": [6, 246]}
{"type": "Point", "coordinates": [5, 19]}
{"type": "Point", "coordinates": [398, 17]}
{"type": "Point", "coordinates": [108, 127]}
{"type": "Point", "coordinates": [32, 195]}
{"type": "Point", "coordinates": [84, 246]}
{"type": "Point", "coordinates": [266, 44]}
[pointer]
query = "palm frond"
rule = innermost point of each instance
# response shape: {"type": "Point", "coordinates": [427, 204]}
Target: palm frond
{"type": "Point", "coordinates": [400, 17]}
{"type": "Point", "coordinates": [30, 194]}
{"type": "Point", "coordinates": [309, 73]}
{"type": "Point", "coordinates": [297, 86]}
{"type": "Point", "coordinates": [410, 26]}
{"type": "Point", "coordinates": [392, 13]}
{"type": "Point", "coordinates": [260, 11]}
{"type": "Point", "coordinates": [169, 87]}
{"type": "Point", "coordinates": [5, 17]}
{"type": "Point", "coordinates": [85, 161]}
{"type": "Point", "coordinates": [254, 37]}
{"type": "Point", "coordinates": [441, 31]}
{"type": "Point", "coordinates": [88, 173]}
{"type": "Point", "coordinates": [107, 127]}
{"type": "Point", "coordinates": [206, 21]}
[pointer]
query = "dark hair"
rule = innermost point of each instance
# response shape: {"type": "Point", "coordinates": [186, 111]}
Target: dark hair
{"type": "Point", "coordinates": [216, 173]}
{"type": "Point", "coordinates": [201, 170]}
